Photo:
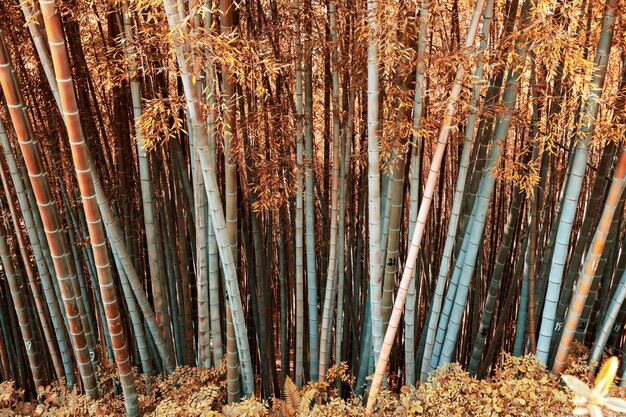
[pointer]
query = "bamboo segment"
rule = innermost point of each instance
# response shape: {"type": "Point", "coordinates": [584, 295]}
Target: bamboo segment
{"type": "Point", "coordinates": [414, 190]}
{"type": "Point", "coordinates": [53, 336]}
{"type": "Point", "coordinates": [418, 233]}
{"type": "Point", "coordinates": [50, 219]}
{"type": "Point", "coordinates": [373, 179]}
{"type": "Point", "coordinates": [20, 309]}
{"type": "Point", "coordinates": [331, 282]}
{"type": "Point", "coordinates": [591, 264]}
{"type": "Point", "coordinates": [309, 203]}
{"type": "Point", "coordinates": [299, 249]}
{"type": "Point", "coordinates": [83, 166]}
{"type": "Point", "coordinates": [574, 183]}
{"type": "Point", "coordinates": [215, 206]}
{"type": "Point", "coordinates": [455, 213]}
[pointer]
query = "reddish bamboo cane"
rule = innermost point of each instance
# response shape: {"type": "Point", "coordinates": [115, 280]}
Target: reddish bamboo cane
{"type": "Point", "coordinates": [32, 281]}
{"type": "Point", "coordinates": [50, 219]}
{"type": "Point", "coordinates": [20, 309]}
{"type": "Point", "coordinates": [82, 163]}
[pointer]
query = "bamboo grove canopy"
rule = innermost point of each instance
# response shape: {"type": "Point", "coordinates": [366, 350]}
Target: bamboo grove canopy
{"type": "Point", "coordinates": [281, 186]}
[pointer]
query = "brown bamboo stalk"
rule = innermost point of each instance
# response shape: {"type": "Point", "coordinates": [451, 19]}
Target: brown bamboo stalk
{"type": "Point", "coordinates": [82, 163]}
{"type": "Point", "coordinates": [32, 281]}
{"type": "Point", "coordinates": [50, 219]}
{"type": "Point", "coordinates": [20, 304]}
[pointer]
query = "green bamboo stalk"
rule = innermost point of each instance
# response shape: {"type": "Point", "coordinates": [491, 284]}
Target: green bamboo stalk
{"type": "Point", "coordinates": [453, 224]}
{"type": "Point", "coordinates": [373, 179]}
{"type": "Point", "coordinates": [215, 206]}
{"type": "Point", "coordinates": [309, 173]}
{"type": "Point", "coordinates": [574, 183]}
{"type": "Point", "coordinates": [592, 259]}
{"type": "Point", "coordinates": [331, 282]}
{"type": "Point", "coordinates": [418, 233]}
{"type": "Point", "coordinates": [508, 233]}
{"type": "Point", "coordinates": [299, 249]}
{"type": "Point", "coordinates": [49, 332]}
{"type": "Point", "coordinates": [414, 190]}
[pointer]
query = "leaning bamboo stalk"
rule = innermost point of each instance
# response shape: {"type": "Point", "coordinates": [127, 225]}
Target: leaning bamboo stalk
{"type": "Point", "coordinates": [147, 366]}
{"type": "Point", "coordinates": [50, 337]}
{"type": "Point", "coordinates": [34, 26]}
{"type": "Point", "coordinates": [50, 220]}
{"type": "Point", "coordinates": [590, 313]}
{"type": "Point", "coordinates": [155, 255]}
{"type": "Point", "coordinates": [418, 233]}
{"type": "Point", "coordinates": [36, 245]}
{"type": "Point", "coordinates": [590, 222]}
{"type": "Point", "coordinates": [587, 274]}
{"type": "Point", "coordinates": [466, 263]}
{"type": "Point", "coordinates": [72, 223]}
{"type": "Point", "coordinates": [453, 223]}
{"type": "Point", "coordinates": [215, 205]}
{"type": "Point", "coordinates": [574, 182]}
{"type": "Point", "coordinates": [83, 167]}
{"type": "Point", "coordinates": [20, 304]}
{"type": "Point", "coordinates": [117, 241]}
{"type": "Point", "coordinates": [414, 189]}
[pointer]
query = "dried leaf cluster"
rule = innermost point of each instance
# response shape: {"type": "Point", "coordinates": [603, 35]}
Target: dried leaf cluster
{"type": "Point", "coordinates": [518, 387]}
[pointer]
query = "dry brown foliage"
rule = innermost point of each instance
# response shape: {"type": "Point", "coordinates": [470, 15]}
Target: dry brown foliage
{"type": "Point", "coordinates": [518, 387]}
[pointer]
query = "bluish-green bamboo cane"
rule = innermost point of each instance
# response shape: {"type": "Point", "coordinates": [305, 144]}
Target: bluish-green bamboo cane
{"type": "Point", "coordinates": [299, 249]}
{"type": "Point", "coordinates": [590, 221]}
{"type": "Point", "coordinates": [609, 323]}
{"type": "Point", "coordinates": [341, 255]}
{"type": "Point", "coordinates": [215, 205]}
{"type": "Point", "coordinates": [414, 190]}
{"type": "Point", "coordinates": [476, 226]}
{"type": "Point", "coordinates": [588, 275]}
{"type": "Point", "coordinates": [309, 173]}
{"type": "Point", "coordinates": [418, 233]}
{"type": "Point", "coordinates": [331, 275]}
{"type": "Point", "coordinates": [116, 240]}
{"type": "Point", "coordinates": [496, 278]}
{"type": "Point", "coordinates": [453, 223]}
{"type": "Point", "coordinates": [589, 313]}
{"type": "Point", "coordinates": [373, 179]}
{"type": "Point", "coordinates": [135, 318]}
{"type": "Point", "coordinates": [574, 183]}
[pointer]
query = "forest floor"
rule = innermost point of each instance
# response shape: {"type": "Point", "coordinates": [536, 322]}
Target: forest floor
{"type": "Point", "coordinates": [518, 387]}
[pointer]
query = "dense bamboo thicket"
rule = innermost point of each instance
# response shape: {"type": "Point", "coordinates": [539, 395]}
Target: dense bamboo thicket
{"type": "Point", "coordinates": [284, 186]}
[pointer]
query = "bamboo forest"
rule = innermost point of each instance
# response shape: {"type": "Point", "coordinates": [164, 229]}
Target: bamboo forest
{"type": "Point", "coordinates": [312, 207]}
